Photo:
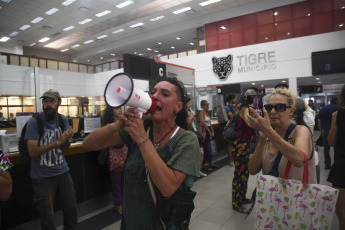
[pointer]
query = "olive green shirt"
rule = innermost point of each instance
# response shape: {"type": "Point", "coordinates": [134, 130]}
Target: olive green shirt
{"type": "Point", "coordinates": [181, 153]}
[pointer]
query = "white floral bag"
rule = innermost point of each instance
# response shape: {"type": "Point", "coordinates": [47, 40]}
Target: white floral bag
{"type": "Point", "coordinates": [290, 204]}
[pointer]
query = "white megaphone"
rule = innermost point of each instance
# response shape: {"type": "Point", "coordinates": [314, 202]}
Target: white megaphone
{"type": "Point", "coordinates": [120, 91]}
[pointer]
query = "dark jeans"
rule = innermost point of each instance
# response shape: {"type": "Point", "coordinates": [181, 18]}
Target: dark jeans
{"type": "Point", "coordinates": [326, 148]}
{"type": "Point", "coordinates": [207, 155]}
{"type": "Point", "coordinates": [46, 190]}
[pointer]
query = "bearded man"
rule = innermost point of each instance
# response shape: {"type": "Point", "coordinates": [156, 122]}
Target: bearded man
{"type": "Point", "coordinates": [49, 170]}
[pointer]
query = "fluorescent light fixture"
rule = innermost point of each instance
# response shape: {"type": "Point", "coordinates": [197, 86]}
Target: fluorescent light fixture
{"type": "Point", "coordinates": [136, 25]}
{"type": "Point", "coordinates": [103, 13]}
{"type": "Point", "coordinates": [140, 54]}
{"type": "Point", "coordinates": [64, 50]}
{"type": "Point", "coordinates": [85, 21]}
{"type": "Point", "coordinates": [24, 27]}
{"type": "Point", "coordinates": [283, 81]}
{"type": "Point", "coordinates": [69, 28]}
{"type": "Point", "coordinates": [124, 4]}
{"type": "Point", "coordinates": [149, 49]}
{"type": "Point", "coordinates": [173, 47]}
{"type": "Point", "coordinates": [112, 54]}
{"type": "Point", "coordinates": [223, 27]}
{"type": "Point", "coordinates": [182, 10]}
{"type": "Point", "coordinates": [159, 43]}
{"type": "Point", "coordinates": [253, 83]}
{"type": "Point", "coordinates": [44, 39]}
{"type": "Point", "coordinates": [7, 1]}
{"type": "Point", "coordinates": [191, 43]}
{"type": "Point", "coordinates": [51, 11]}
{"type": "Point", "coordinates": [13, 34]}
{"type": "Point", "coordinates": [33, 44]}
{"type": "Point", "coordinates": [208, 2]}
{"type": "Point", "coordinates": [156, 51]}
{"type": "Point", "coordinates": [36, 20]}
{"type": "Point", "coordinates": [75, 46]}
{"type": "Point", "coordinates": [118, 31]}
{"type": "Point", "coordinates": [157, 18]}
{"type": "Point", "coordinates": [89, 41]}
{"type": "Point", "coordinates": [4, 39]}
{"type": "Point", "coordinates": [103, 36]}
{"type": "Point", "coordinates": [67, 2]}
{"type": "Point", "coordinates": [317, 78]}
{"type": "Point", "coordinates": [178, 38]}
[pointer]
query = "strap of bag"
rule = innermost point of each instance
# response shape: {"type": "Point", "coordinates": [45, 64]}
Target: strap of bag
{"type": "Point", "coordinates": [279, 155]}
{"type": "Point", "coordinates": [305, 170]}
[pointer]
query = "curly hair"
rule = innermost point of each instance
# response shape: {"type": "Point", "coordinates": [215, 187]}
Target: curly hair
{"type": "Point", "coordinates": [341, 98]}
{"type": "Point", "coordinates": [181, 116]}
{"type": "Point", "coordinates": [291, 98]}
{"type": "Point", "coordinates": [229, 97]}
{"type": "Point", "coordinates": [108, 116]}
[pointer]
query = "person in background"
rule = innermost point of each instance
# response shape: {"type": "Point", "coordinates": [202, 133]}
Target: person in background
{"type": "Point", "coordinates": [304, 115]}
{"type": "Point", "coordinates": [230, 110]}
{"type": "Point", "coordinates": [311, 104]}
{"type": "Point", "coordinates": [12, 117]}
{"type": "Point", "coordinates": [162, 149]}
{"type": "Point", "coordinates": [192, 126]}
{"type": "Point", "coordinates": [241, 151]}
{"type": "Point", "coordinates": [324, 123]}
{"type": "Point", "coordinates": [111, 115]}
{"type": "Point", "coordinates": [205, 121]}
{"type": "Point", "coordinates": [2, 118]}
{"type": "Point", "coordinates": [5, 178]}
{"type": "Point", "coordinates": [336, 138]}
{"type": "Point", "coordinates": [49, 170]}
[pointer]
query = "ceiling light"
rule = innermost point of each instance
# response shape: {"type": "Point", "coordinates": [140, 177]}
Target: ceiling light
{"type": "Point", "coordinates": [69, 28]}
{"type": "Point", "coordinates": [7, 1]}
{"type": "Point", "coordinates": [266, 38]}
{"type": "Point", "coordinates": [103, 13]}
{"type": "Point", "coordinates": [51, 11]}
{"type": "Point", "coordinates": [75, 46]}
{"type": "Point", "coordinates": [140, 54]}
{"type": "Point", "coordinates": [89, 41]}
{"type": "Point", "coordinates": [308, 15]}
{"type": "Point", "coordinates": [253, 83]}
{"type": "Point", "coordinates": [101, 58]}
{"type": "Point", "coordinates": [262, 85]}
{"type": "Point", "coordinates": [85, 21]}
{"type": "Point", "coordinates": [275, 24]}
{"type": "Point", "coordinates": [137, 25]}
{"type": "Point", "coordinates": [157, 18]}
{"type": "Point", "coordinates": [88, 60]}
{"type": "Point", "coordinates": [37, 20]}
{"type": "Point", "coordinates": [288, 33]}
{"type": "Point", "coordinates": [191, 43]}
{"type": "Point", "coordinates": [124, 4]}
{"type": "Point", "coordinates": [149, 49]}
{"type": "Point", "coordinates": [283, 81]}
{"type": "Point", "coordinates": [317, 78]}
{"type": "Point", "coordinates": [118, 31]}
{"type": "Point", "coordinates": [223, 27]}
{"type": "Point", "coordinates": [4, 39]}
{"type": "Point", "coordinates": [24, 27]}
{"type": "Point", "coordinates": [67, 2]}
{"type": "Point", "coordinates": [182, 10]}
{"type": "Point", "coordinates": [159, 43]}
{"type": "Point", "coordinates": [319, 82]}
{"type": "Point", "coordinates": [103, 36]}
{"type": "Point", "coordinates": [64, 50]}
{"type": "Point", "coordinates": [156, 51]}
{"type": "Point", "coordinates": [275, 13]}
{"type": "Point", "coordinates": [343, 7]}
{"type": "Point", "coordinates": [178, 38]}
{"type": "Point", "coordinates": [173, 47]}
{"type": "Point", "coordinates": [112, 54]}
{"type": "Point", "coordinates": [44, 39]}
{"type": "Point", "coordinates": [341, 25]}
{"type": "Point", "coordinates": [13, 34]}
{"type": "Point", "coordinates": [208, 2]}
{"type": "Point", "coordinates": [33, 44]}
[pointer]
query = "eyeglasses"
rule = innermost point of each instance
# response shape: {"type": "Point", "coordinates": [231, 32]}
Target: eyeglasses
{"type": "Point", "coordinates": [279, 107]}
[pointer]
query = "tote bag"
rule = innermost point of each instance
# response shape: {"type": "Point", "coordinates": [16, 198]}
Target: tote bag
{"type": "Point", "coordinates": [117, 158]}
{"type": "Point", "coordinates": [290, 204]}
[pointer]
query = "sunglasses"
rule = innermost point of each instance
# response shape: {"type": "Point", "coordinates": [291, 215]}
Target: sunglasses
{"type": "Point", "coordinates": [279, 107]}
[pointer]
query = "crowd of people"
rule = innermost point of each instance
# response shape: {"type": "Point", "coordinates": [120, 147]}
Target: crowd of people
{"type": "Point", "coordinates": [163, 153]}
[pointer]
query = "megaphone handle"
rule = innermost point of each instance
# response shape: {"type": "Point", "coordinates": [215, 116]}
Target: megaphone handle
{"type": "Point", "coordinates": [141, 111]}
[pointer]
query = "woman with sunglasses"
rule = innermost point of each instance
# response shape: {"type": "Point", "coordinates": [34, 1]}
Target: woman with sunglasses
{"type": "Point", "coordinates": [274, 128]}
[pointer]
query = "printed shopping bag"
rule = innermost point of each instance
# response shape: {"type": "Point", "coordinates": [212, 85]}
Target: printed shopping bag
{"type": "Point", "coordinates": [212, 147]}
{"type": "Point", "coordinates": [290, 204]}
{"type": "Point", "coordinates": [117, 158]}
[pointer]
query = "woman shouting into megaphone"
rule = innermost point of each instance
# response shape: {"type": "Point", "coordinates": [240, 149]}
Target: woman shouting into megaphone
{"type": "Point", "coordinates": [162, 153]}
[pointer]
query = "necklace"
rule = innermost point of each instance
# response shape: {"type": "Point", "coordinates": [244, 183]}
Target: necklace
{"type": "Point", "coordinates": [157, 143]}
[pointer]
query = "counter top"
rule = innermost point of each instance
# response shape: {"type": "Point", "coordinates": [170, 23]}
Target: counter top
{"type": "Point", "coordinates": [75, 148]}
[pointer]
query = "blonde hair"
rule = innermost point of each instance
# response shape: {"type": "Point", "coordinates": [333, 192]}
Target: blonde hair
{"type": "Point", "coordinates": [291, 98]}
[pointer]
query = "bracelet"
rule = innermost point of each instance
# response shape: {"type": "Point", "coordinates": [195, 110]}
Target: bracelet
{"type": "Point", "coordinates": [144, 141]}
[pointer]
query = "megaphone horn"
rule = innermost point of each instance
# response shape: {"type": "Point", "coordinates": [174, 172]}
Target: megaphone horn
{"type": "Point", "coordinates": [120, 91]}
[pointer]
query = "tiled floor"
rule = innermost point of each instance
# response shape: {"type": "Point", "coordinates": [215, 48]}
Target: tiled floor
{"type": "Point", "coordinates": [212, 205]}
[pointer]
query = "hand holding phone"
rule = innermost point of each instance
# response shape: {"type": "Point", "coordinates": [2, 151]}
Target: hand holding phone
{"type": "Point", "coordinates": [256, 102]}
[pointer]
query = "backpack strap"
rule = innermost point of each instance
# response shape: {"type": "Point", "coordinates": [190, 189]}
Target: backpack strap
{"type": "Point", "coordinates": [61, 123]}
{"type": "Point", "coordinates": [40, 125]}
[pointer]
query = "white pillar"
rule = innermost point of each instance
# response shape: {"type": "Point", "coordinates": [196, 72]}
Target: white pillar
{"type": "Point", "coordinates": [293, 85]}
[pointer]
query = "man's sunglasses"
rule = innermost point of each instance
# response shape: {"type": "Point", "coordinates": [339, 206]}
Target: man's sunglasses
{"type": "Point", "coordinates": [279, 107]}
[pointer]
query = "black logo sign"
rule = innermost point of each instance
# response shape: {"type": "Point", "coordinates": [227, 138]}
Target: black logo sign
{"type": "Point", "coordinates": [222, 66]}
